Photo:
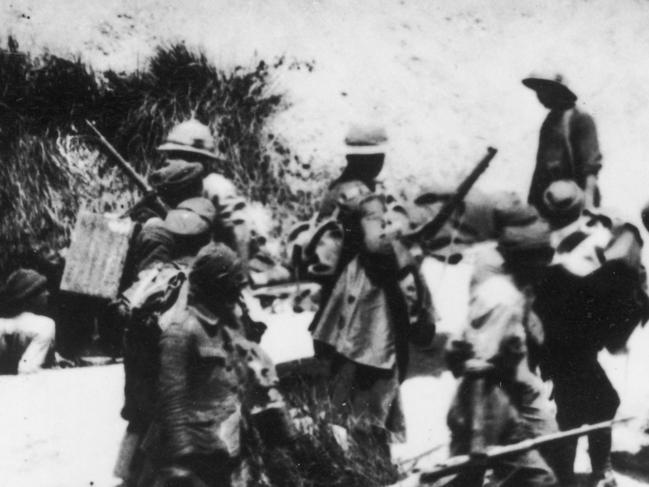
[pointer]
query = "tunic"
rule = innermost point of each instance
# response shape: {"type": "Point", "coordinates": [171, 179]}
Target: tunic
{"type": "Point", "coordinates": [568, 149]}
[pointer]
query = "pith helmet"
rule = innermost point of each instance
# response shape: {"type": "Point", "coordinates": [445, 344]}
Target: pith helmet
{"type": "Point", "coordinates": [552, 85]}
{"type": "Point", "coordinates": [367, 139]}
{"type": "Point", "coordinates": [365, 153]}
{"type": "Point", "coordinates": [190, 136]}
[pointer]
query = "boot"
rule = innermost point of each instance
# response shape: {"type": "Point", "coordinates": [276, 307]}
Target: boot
{"type": "Point", "coordinates": [603, 478]}
{"type": "Point", "coordinates": [599, 451]}
{"type": "Point", "coordinates": [560, 456]}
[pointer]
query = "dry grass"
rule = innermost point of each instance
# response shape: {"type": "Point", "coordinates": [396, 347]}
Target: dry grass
{"type": "Point", "coordinates": [50, 165]}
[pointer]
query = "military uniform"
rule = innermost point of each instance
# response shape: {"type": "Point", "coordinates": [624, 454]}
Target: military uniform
{"type": "Point", "coordinates": [212, 381]}
{"type": "Point", "coordinates": [363, 329]}
{"type": "Point", "coordinates": [592, 297]}
{"type": "Point", "coordinates": [568, 143]}
{"type": "Point", "coordinates": [499, 399]}
{"type": "Point", "coordinates": [161, 256]}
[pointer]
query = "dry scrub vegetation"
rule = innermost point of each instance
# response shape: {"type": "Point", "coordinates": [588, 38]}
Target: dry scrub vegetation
{"type": "Point", "coordinates": [51, 165]}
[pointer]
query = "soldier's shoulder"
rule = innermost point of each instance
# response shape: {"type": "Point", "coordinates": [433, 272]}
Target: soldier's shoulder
{"type": "Point", "coordinates": [579, 116]}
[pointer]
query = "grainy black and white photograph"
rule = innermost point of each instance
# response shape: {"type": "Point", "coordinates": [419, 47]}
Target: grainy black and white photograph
{"type": "Point", "coordinates": [324, 243]}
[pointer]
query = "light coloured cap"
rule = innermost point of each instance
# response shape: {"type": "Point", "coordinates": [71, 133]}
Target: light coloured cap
{"type": "Point", "coordinates": [366, 140]}
{"type": "Point", "coordinates": [190, 136]}
{"type": "Point", "coordinates": [192, 217]}
{"type": "Point", "coordinates": [563, 201]}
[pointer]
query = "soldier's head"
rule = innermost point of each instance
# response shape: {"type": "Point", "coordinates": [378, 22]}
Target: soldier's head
{"type": "Point", "coordinates": [191, 224]}
{"type": "Point", "coordinates": [25, 290]}
{"type": "Point", "coordinates": [177, 181]}
{"type": "Point", "coordinates": [551, 91]}
{"type": "Point", "coordinates": [526, 250]}
{"type": "Point", "coordinates": [365, 153]}
{"type": "Point", "coordinates": [217, 276]}
{"type": "Point", "coordinates": [563, 203]}
{"type": "Point", "coordinates": [190, 141]}
{"type": "Point", "coordinates": [372, 212]}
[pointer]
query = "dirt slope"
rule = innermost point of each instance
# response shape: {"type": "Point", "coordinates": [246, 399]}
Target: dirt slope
{"type": "Point", "coordinates": [443, 76]}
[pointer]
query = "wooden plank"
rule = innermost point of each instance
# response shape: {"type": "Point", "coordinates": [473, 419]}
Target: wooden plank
{"type": "Point", "coordinates": [95, 260]}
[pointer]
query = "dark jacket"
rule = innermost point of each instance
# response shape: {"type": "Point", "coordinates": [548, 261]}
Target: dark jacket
{"type": "Point", "coordinates": [568, 149]}
{"type": "Point", "coordinates": [210, 378]}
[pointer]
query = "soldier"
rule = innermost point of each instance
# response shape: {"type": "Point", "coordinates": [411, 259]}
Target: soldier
{"type": "Point", "coordinates": [568, 145]}
{"type": "Point", "coordinates": [163, 253]}
{"type": "Point", "coordinates": [362, 332]}
{"type": "Point", "coordinates": [499, 399]}
{"type": "Point", "coordinates": [323, 246]}
{"type": "Point", "coordinates": [190, 157]}
{"type": "Point", "coordinates": [26, 330]}
{"type": "Point", "coordinates": [193, 168]}
{"type": "Point", "coordinates": [365, 155]}
{"type": "Point", "coordinates": [592, 297]}
{"type": "Point", "coordinates": [481, 217]}
{"type": "Point", "coordinates": [212, 381]}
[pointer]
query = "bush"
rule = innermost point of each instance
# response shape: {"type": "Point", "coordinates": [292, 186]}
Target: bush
{"type": "Point", "coordinates": [317, 457]}
{"type": "Point", "coordinates": [50, 164]}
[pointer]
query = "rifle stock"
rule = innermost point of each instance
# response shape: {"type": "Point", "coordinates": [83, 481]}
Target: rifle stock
{"type": "Point", "coordinates": [461, 462]}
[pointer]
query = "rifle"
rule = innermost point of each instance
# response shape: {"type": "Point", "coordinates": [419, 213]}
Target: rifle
{"type": "Point", "coordinates": [433, 227]}
{"type": "Point", "coordinates": [461, 462]}
{"type": "Point", "coordinates": [139, 181]}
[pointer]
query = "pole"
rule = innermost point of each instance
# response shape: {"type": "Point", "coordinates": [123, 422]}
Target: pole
{"type": "Point", "coordinates": [139, 181]}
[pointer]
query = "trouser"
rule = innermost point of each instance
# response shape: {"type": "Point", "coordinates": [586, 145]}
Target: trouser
{"type": "Point", "coordinates": [130, 457]}
{"type": "Point", "coordinates": [24, 350]}
{"type": "Point", "coordinates": [366, 393]}
{"type": "Point", "coordinates": [585, 395]}
{"type": "Point", "coordinates": [215, 470]}
{"type": "Point", "coordinates": [483, 414]}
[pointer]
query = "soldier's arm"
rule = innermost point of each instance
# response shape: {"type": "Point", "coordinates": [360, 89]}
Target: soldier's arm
{"type": "Point", "coordinates": [512, 347]}
{"type": "Point", "coordinates": [590, 191]}
{"type": "Point", "coordinates": [585, 146]}
{"type": "Point", "coordinates": [626, 245]}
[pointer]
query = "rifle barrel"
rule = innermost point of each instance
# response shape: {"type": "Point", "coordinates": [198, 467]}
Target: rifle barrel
{"type": "Point", "coordinates": [446, 211]}
{"type": "Point", "coordinates": [133, 175]}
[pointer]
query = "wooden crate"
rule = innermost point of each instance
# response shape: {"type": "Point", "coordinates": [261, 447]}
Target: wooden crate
{"type": "Point", "coordinates": [95, 260]}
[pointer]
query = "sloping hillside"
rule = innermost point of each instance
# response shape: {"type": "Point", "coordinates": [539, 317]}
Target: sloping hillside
{"type": "Point", "coordinates": [443, 76]}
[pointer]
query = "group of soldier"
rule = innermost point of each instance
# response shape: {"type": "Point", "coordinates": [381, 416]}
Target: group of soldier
{"type": "Point", "coordinates": [554, 281]}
